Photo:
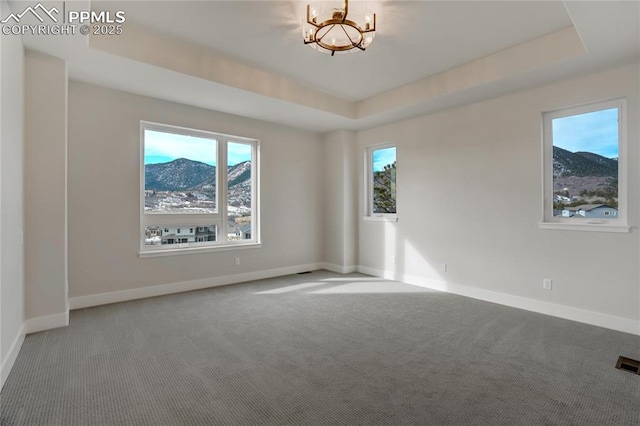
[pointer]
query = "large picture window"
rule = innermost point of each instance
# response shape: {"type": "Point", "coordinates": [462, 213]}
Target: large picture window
{"type": "Point", "coordinates": [381, 178]}
{"type": "Point", "coordinates": [584, 159]}
{"type": "Point", "coordinates": [198, 189]}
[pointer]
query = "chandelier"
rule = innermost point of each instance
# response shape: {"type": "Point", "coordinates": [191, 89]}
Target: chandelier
{"type": "Point", "coordinates": [329, 30]}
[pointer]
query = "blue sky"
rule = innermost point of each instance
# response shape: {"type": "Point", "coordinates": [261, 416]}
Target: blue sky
{"type": "Point", "coordinates": [237, 153]}
{"type": "Point", "coordinates": [382, 157]}
{"type": "Point", "coordinates": [160, 147]}
{"type": "Point", "coordinates": [595, 132]}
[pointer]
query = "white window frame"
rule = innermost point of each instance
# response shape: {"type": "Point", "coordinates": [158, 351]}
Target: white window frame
{"type": "Point", "coordinates": [193, 220]}
{"type": "Point", "coordinates": [369, 215]}
{"type": "Point", "coordinates": [617, 224]}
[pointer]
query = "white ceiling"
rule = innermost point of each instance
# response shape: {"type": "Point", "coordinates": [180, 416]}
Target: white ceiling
{"type": "Point", "coordinates": [418, 46]}
{"type": "Point", "coordinates": [414, 40]}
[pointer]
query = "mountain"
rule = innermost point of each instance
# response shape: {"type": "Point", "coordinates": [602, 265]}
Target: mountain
{"type": "Point", "coordinates": [239, 173]}
{"type": "Point", "coordinates": [584, 177]}
{"type": "Point", "coordinates": [566, 163]}
{"type": "Point", "coordinates": [185, 185]}
{"type": "Point", "coordinates": [177, 175]}
{"type": "Point", "coordinates": [188, 175]}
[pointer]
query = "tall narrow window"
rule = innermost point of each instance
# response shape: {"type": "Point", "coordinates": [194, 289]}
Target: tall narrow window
{"type": "Point", "coordinates": [585, 177]}
{"type": "Point", "coordinates": [239, 191]}
{"type": "Point", "coordinates": [184, 187]}
{"type": "Point", "coordinates": [381, 166]}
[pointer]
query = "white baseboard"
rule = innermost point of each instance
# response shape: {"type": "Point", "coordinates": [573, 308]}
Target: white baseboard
{"type": "Point", "coordinates": [625, 325]}
{"type": "Point", "coordinates": [10, 357]}
{"type": "Point", "coordinates": [340, 269]}
{"type": "Point", "coordinates": [387, 275]}
{"type": "Point", "coordinates": [35, 325]}
{"type": "Point", "coordinates": [163, 289]}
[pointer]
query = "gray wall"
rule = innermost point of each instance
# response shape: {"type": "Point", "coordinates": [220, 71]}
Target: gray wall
{"type": "Point", "coordinates": [470, 193]}
{"type": "Point", "coordinates": [45, 182]}
{"type": "Point", "coordinates": [340, 201]}
{"type": "Point", "coordinates": [11, 199]}
{"type": "Point", "coordinates": [104, 197]}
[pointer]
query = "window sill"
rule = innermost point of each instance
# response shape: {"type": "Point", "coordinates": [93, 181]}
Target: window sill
{"type": "Point", "coordinates": [197, 250]}
{"type": "Point", "coordinates": [380, 218]}
{"type": "Point", "coordinates": [585, 226]}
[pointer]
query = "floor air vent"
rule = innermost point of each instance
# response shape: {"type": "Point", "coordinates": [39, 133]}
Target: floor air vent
{"type": "Point", "coordinates": [628, 364]}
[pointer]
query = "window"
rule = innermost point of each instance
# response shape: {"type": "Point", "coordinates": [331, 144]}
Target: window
{"type": "Point", "coordinates": [183, 190]}
{"type": "Point", "coordinates": [381, 181]}
{"type": "Point", "coordinates": [585, 167]}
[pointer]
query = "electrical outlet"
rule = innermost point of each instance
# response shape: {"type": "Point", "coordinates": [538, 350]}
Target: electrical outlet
{"type": "Point", "coordinates": [237, 261]}
{"type": "Point", "coordinates": [546, 283]}
{"type": "Point", "coordinates": [443, 267]}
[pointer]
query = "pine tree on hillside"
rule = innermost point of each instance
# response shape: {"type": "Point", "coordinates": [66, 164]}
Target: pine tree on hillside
{"type": "Point", "coordinates": [384, 190]}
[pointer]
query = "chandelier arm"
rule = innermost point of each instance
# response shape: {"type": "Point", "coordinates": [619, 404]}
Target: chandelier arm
{"type": "Point", "coordinates": [346, 10]}
{"type": "Point", "coordinates": [326, 32]}
{"type": "Point", "coordinates": [309, 19]}
{"type": "Point", "coordinates": [348, 36]}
